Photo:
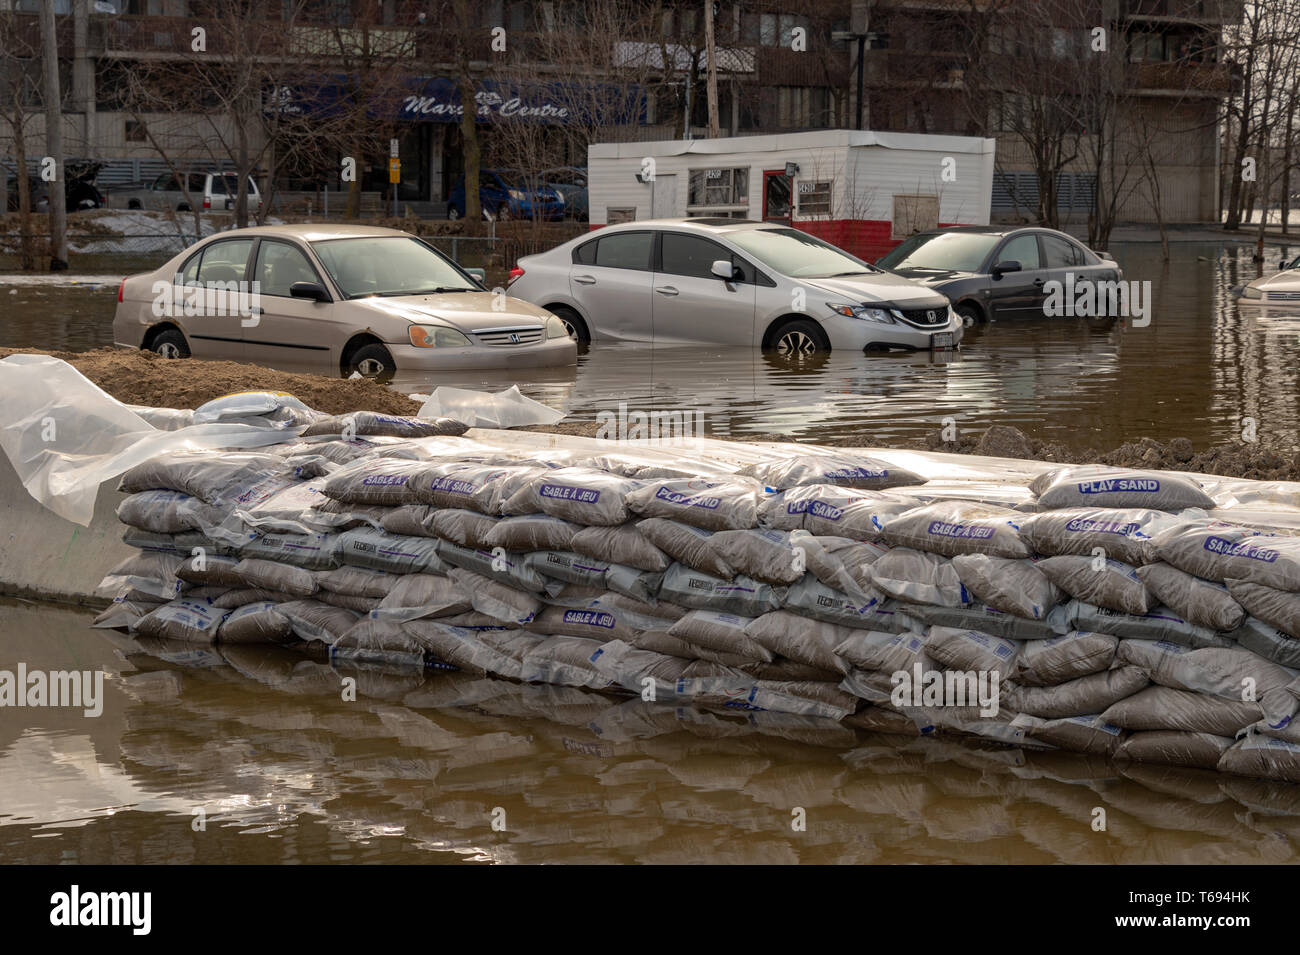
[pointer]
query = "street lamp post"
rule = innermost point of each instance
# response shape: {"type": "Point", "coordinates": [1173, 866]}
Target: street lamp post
{"type": "Point", "coordinates": [861, 39]}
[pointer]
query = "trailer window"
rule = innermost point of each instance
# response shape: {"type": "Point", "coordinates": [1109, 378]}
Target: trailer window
{"type": "Point", "coordinates": [718, 190]}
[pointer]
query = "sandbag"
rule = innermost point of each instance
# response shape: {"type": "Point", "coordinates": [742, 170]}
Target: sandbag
{"type": "Point", "coordinates": [349, 601]}
{"type": "Point", "coordinates": [581, 495]}
{"type": "Point", "coordinates": [498, 563]}
{"type": "Point", "coordinates": [358, 581]}
{"type": "Point", "coordinates": [986, 619]}
{"type": "Point", "coordinates": [168, 512]}
{"type": "Point", "coordinates": [466, 528]}
{"type": "Point", "coordinates": [1277, 608]}
{"type": "Point", "coordinates": [384, 641]}
{"type": "Point", "coordinates": [766, 555]}
{"type": "Point", "coordinates": [1218, 551]}
{"type": "Point", "coordinates": [565, 661]}
{"type": "Point", "coordinates": [633, 582]}
{"type": "Point", "coordinates": [971, 650]}
{"type": "Point", "coordinates": [1015, 586]}
{"type": "Point", "coordinates": [810, 642]}
{"type": "Point", "coordinates": [1083, 696]}
{"type": "Point", "coordinates": [409, 520]}
{"type": "Point", "coordinates": [781, 669]}
{"type": "Point", "coordinates": [1166, 708]}
{"type": "Point", "coordinates": [687, 544]}
{"type": "Point", "coordinates": [917, 577]}
{"type": "Point", "coordinates": [1104, 583]}
{"type": "Point", "coordinates": [181, 544]}
{"type": "Point", "coordinates": [270, 575]}
{"type": "Point", "coordinates": [1204, 603]}
{"type": "Point", "coordinates": [1124, 534]}
{"type": "Point", "coordinates": [1159, 623]}
{"type": "Point", "coordinates": [568, 566]}
{"type": "Point", "coordinates": [124, 613]}
{"type": "Point", "coordinates": [256, 623]}
{"type": "Point", "coordinates": [838, 562]}
{"type": "Point", "coordinates": [372, 423]}
{"type": "Point", "coordinates": [712, 505]}
{"type": "Point", "coordinates": [154, 574]}
{"type": "Point", "coordinates": [958, 527]}
{"type": "Point", "coordinates": [597, 621]}
{"type": "Point", "coordinates": [376, 550]}
{"type": "Point", "coordinates": [316, 620]}
{"type": "Point", "coordinates": [721, 632]}
{"type": "Point", "coordinates": [841, 470]}
{"type": "Point", "coordinates": [189, 621]}
{"type": "Point", "coordinates": [431, 595]}
{"type": "Point", "coordinates": [211, 476]}
{"type": "Point", "coordinates": [312, 551]}
{"type": "Point", "coordinates": [234, 599]}
{"type": "Point", "coordinates": [1268, 641]}
{"type": "Point", "coordinates": [1090, 735]}
{"type": "Point", "coordinates": [886, 652]}
{"type": "Point", "coordinates": [1263, 758]}
{"type": "Point", "coordinates": [1067, 657]}
{"type": "Point", "coordinates": [1094, 485]}
{"type": "Point", "coordinates": [209, 570]}
{"type": "Point", "coordinates": [829, 511]}
{"type": "Point", "coordinates": [378, 481]}
{"type": "Point", "coordinates": [533, 532]}
{"type": "Point", "coordinates": [742, 596]}
{"type": "Point", "coordinates": [464, 485]}
{"type": "Point", "coordinates": [631, 667]}
{"type": "Point", "coordinates": [621, 544]}
{"type": "Point", "coordinates": [1174, 748]}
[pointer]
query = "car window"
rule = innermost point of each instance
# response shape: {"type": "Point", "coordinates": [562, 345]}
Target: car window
{"type": "Point", "coordinates": [225, 261]}
{"type": "Point", "coordinates": [279, 265]}
{"type": "Point", "coordinates": [689, 255]}
{"type": "Point", "coordinates": [165, 183]}
{"type": "Point", "coordinates": [1060, 253]}
{"type": "Point", "coordinates": [798, 254]}
{"type": "Point", "coordinates": [190, 270]}
{"type": "Point", "coordinates": [625, 250]}
{"type": "Point", "coordinates": [941, 252]}
{"type": "Point", "coordinates": [585, 254]}
{"type": "Point", "coordinates": [390, 265]}
{"type": "Point", "coordinates": [1022, 249]}
{"type": "Point", "coordinates": [196, 182]}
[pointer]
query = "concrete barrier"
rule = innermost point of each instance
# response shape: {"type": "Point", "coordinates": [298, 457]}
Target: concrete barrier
{"type": "Point", "coordinates": [46, 557]}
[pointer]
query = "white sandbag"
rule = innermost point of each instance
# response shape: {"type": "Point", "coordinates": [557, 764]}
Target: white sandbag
{"type": "Point", "coordinates": [621, 544]}
{"type": "Point", "coordinates": [722, 632]}
{"type": "Point", "coordinates": [208, 570]}
{"type": "Point", "coordinates": [1015, 586]}
{"type": "Point", "coordinates": [687, 544]}
{"type": "Point", "coordinates": [1159, 623]}
{"type": "Point", "coordinates": [153, 574]}
{"type": "Point", "coordinates": [1166, 708]}
{"type": "Point", "coordinates": [971, 650]}
{"type": "Point", "coordinates": [982, 617]}
{"type": "Point", "coordinates": [631, 667]}
{"type": "Point", "coordinates": [887, 652]}
{"type": "Point", "coordinates": [830, 511]}
{"type": "Point", "coordinates": [211, 476]}
{"type": "Point", "coordinates": [597, 621]}
{"type": "Point", "coordinates": [255, 623]}
{"type": "Point", "coordinates": [358, 581]}
{"type": "Point", "coordinates": [1067, 657]}
{"type": "Point", "coordinates": [1277, 608]}
{"type": "Point", "coordinates": [1262, 757]}
{"type": "Point", "coordinates": [810, 642]}
{"type": "Point", "coordinates": [1082, 696]}
{"type": "Point", "coordinates": [1100, 486]}
{"type": "Point", "coordinates": [712, 505]}
{"type": "Point", "coordinates": [124, 613]}
{"type": "Point", "coordinates": [742, 595]}
{"type": "Point", "coordinates": [566, 661]}
{"type": "Point", "coordinates": [766, 555]}
{"type": "Point", "coordinates": [634, 582]}
{"type": "Point", "coordinates": [409, 520]}
{"type": "Point", "coordinates": [413, 596]}
{"type": "Point", "coordinates": [533, 532]}
{"type": "Point", "coordinates": [1124, 534]}
{"type": "Point", "coordinates": [958, 527]}
{"type": "Point", "coordinates": [376, 550]}
{"type": "Point", "coordinates": [581, 495]}
{"type": "Point", "coordinates": [384, 641]}
{"type": "Point", "coordinates": [917, 577]}
{"type": "Point", "coordinates": [463, 485]}
{"type": "Point", "coordinates": [168, 512]}
{"type": "Point", "coordinates": [1218, 551]}
{"type": "Point", "coordinates": [1090, 735]}
{"type": "Point", "coordinates": [1174, 748]}
{"type": "Point", "coordinates": [372, 423]}
{"type": "Point", "coordinates": [1204, 603]}
{"type": "Point", "coordinates": [315, 620]}
{"type": "Point", "coordinates": [1103, 582]}
{"type": "Point", "coordinates": [466, 528]}
{"type": "Point", "coordinates": [271, 575]}
{"type": "Point", "coordinates": [462, 648]}
{"type": "Point", "coordinates": [568, 566]}
{"type": "Point", "coordinates": [843, 470]}
{"type": "Point", "coordinates": [189, 621]}
{"type": "Point", "coordinates": [1268, 641]}
{"type": "Point", "coordinates": [497, 563]}
{"type": "Point", "coordinates": [838, 562]}
{"type": "Point", "coordinates": [312, 551]}
{"type": "Point", "coordinates": [234, 599]}
{"type": "Point", "coordinates": [377, 481]}
{"type": "Point", "coordinates": [348, 601]}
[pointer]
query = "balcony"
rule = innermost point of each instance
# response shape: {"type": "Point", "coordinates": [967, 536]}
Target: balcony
{"type": "Point", "coordinates": [1181, 79]}
{"type": "Point", "coordinates": [1204, 12]}
{"type": "Point", "coordinates": [913, 68]}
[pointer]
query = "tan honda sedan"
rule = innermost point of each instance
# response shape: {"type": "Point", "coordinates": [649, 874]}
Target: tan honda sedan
{"type": "Point", "coordinates": [351, 298]}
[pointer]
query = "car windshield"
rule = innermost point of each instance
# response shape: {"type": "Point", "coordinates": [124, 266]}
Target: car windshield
{"type": "Point", "coordinates": [389, 265]}
{"type": "Point", "coordinates": [943, 251]}
{"type": "Point", "coordinates": [798, 254]}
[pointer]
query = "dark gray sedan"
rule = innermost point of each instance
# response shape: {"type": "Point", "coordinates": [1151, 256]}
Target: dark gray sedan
{"type": "Point", "coordinates": [994, 273]}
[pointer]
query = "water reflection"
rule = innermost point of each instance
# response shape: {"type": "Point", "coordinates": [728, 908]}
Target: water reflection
{"type": "Point", "coordinates": [285, 769]}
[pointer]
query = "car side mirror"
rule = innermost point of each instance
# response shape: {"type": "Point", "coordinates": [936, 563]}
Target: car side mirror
{"type": "Point", "coordinates": [725, 270]}
{"type": "Point", "coordinates": [479, 275]}
{"type": "Point", "coordinates": [1002, 268]}
{"type": "Point", "coordinates": [312, 290]}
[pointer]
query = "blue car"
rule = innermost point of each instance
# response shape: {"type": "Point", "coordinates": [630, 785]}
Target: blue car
{"type": "Point", "coordinates": [571, 183]}
{"type": "Point", "coordinates": [505, 195]}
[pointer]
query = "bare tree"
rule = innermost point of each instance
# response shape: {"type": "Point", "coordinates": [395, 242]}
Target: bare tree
{"type": "Point", "coordinates": [19, 84]}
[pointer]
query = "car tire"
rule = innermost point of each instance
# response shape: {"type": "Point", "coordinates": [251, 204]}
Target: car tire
{"type": "Point", "coordinates": [578, 330]}
{"type": "Point", "coordinates": [371, 361]}
{"type": "Point", "coordinates": [134, 204]}
{"type": "Point", "coordinates": [970, 315]}
{"type": "Point", "coordinates": [170, 344]}
{"type": "Point", "coordinates": [798, 339]}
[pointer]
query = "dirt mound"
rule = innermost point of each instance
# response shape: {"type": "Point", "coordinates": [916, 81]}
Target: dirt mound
{"type": "Point", "coordinates": [143, 378]}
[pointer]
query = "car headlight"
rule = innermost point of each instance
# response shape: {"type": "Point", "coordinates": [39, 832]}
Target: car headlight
{"type": "Point", "coordinates": [1250, 292]}
{"type": "Point", "coordinates": [436, 336]}
{"type": "Point", "coordinates": [555, 328]}
{"type": "Point", "coordinates": [868, 313]}
{"type": "Point", "coordinates": [516, 194]}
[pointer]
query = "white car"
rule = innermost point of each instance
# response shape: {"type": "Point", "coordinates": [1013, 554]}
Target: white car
{"type": "Point", "coordinates": [1280, 288]}
{"type": "Point", "coordinates": [730, 282]}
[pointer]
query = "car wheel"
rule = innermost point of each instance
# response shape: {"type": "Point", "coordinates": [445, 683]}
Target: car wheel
{"type": "Point", "coordinates": [372, 361]}
{"type": "Point", "coordinates": [453, 213]}
{"type": "Point", "coordinates": [574, 323]}
{"type": "Point", "coordinates": [970, 315]}
{"type": "Point", "coordinates": [170, 344]}
{"type": "Point", "coordinates": [133, 204]}
{"type": "Point", "coordinates": [799, 339]}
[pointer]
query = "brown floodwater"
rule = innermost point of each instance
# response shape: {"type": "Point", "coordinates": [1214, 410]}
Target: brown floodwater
{"type": "Point", "coordinates": [1202, 366]}
{"type": "Point", "coordinates": [252, 755]}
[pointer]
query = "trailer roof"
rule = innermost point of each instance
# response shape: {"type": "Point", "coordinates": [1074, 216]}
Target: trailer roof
{"type": "Point", "coordinates": [785, 142]}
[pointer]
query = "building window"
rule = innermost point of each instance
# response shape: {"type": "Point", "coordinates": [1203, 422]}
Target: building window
{"type": "Point", "coordinates": [718, 190]}
{"type": "Point", "coordinates": [913, 214]}
{"type": "Point", "coordinates": [778, 29]}
{"type": "Point", "coordinates": [135, 132]}
{"type": "Point", "coordinates": [812, 199]}
{"type": "Point", "coordinates": [613, 216]}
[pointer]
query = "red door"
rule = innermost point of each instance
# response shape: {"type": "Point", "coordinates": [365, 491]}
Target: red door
{"type": "Point", "coordinates": [777, 196]}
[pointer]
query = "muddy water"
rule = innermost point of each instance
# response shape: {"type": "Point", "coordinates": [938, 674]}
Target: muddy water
{"type": "Point", "coordinates": [251, 755]}
{"type": "Point", "coordinates": [1200, 367]}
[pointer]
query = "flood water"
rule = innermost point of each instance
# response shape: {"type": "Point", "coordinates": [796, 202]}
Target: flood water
{"type": "Point", "coordinates": [1200, 367]}
{"type": "Point", "coordinates": [251, 754]}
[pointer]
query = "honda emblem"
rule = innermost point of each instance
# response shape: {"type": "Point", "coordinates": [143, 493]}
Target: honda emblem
{"type": "Point", "coordinates": [930, 315]}
{"type": "Point", "coordinates": [514, 338]}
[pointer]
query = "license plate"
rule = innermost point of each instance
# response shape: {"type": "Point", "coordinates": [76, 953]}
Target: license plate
{"type": "Point", "coordinates": [941, 340]}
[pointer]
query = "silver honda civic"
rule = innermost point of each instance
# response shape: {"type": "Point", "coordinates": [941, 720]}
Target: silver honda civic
{"type": "Point", "coordinates": [730, 282]}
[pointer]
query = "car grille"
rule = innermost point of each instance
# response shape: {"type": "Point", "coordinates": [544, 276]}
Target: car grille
{"type": "Point", "coordinates": [923, 317]}
{"type": "Point", "coordinates": [1282, 296]}
{"type": "Point", "coordinates": [509, 336]}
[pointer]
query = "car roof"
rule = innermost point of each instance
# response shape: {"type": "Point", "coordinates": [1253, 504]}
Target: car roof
{"type": "Point", "coordinates": [710, 225]}
{"type": "Point", "coordinates": [997, 230]}
{"type": "Point", "coordinates": [314, 232]}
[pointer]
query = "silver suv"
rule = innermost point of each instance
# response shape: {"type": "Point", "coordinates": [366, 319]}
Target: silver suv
{"type": "Point", "coordinates": [730, 282]}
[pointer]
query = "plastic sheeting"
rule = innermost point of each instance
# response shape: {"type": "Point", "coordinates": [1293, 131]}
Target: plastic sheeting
{"type": "Point", "coordinates": [505, 409]}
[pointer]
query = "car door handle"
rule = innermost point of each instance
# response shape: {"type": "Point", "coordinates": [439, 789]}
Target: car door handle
{"type": "Point", "coordinates": [666, 290]}
{"type": "Point", "coordinates": [256, 310]}
{"type": "Point", "coordinates": [1038, 282]}
{"type": "Point", "coordinates": [584, 279]}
